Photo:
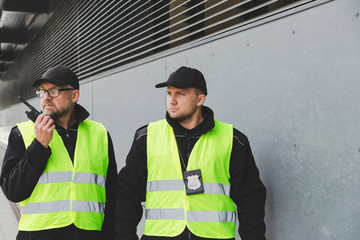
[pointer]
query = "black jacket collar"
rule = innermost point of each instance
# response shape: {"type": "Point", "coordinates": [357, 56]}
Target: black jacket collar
{"type": "Point", "coordinates": [204, 127]}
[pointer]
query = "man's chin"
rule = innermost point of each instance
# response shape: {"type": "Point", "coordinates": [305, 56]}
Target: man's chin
{"type": "Point", "coordinates": [50, 114]}
{"type": "Point", "coordinates": [173, 116]}
{"type": "Point", "coordinates": [177, 117]}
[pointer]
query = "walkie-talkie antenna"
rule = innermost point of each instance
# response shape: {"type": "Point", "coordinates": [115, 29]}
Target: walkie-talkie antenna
{"type": "Point", "coordinates": [26, 103]}
{"type": "Point", "coordinates": [33, 114]}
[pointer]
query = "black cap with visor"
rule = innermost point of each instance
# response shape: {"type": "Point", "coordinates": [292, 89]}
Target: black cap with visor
{"type": "Point", "coordinates": [185, 77]}
{"type": "Point", "coordinates": [59, 75]}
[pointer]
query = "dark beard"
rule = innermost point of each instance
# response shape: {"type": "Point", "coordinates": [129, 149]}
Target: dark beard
{"type": "Point", "coordinates": [181, 119]}
{"type": "Point", "coordinates": [56, 115]}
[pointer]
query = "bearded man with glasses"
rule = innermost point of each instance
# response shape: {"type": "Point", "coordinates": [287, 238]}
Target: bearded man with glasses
{"type": "Point", "coordinates": [61, 168]}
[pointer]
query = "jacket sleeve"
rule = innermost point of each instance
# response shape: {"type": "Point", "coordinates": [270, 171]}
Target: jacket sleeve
{"type": "Point", "coordinates": [247, 191]}
{"type": "Point", "coordinates": [22, 167]}
{"type": "Point", "coordinates": [108, 227]}
{"type": "Point", "coordinates": [131, 189]}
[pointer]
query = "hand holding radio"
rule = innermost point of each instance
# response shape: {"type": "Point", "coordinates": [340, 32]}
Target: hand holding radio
{"type": "Point", "coordinates": [44, 125]}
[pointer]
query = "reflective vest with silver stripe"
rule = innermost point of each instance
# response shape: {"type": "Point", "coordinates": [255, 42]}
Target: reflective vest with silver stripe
{"type": "Point", "coordinates": [68, 193]}
{"type": "Point", "coordinates": [168, 209]}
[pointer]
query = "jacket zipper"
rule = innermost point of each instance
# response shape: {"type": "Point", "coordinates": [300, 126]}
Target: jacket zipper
{"type": "Point", "coordinates": [189, 144]}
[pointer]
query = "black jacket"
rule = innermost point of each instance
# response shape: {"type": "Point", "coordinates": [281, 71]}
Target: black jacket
{"type": "Point", "coordinates": [23, 167]}
{"type": "Point", "coordinates": [247, 191]}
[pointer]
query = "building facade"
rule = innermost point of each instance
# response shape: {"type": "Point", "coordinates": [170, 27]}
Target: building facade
{"type": "Point", "coordinates": [286, 73]}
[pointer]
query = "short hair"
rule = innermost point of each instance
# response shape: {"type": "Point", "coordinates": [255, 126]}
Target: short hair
{"type": "Point", "coordinates": [198, 91]}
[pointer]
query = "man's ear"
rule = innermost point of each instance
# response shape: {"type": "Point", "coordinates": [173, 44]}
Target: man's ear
{"type": "Point", "coordinates": [201, 100]}
{"type": "Point", "coordinates": [75, 96]}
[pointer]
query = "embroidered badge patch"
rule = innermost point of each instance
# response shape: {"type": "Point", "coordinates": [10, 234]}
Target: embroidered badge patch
{"type": "Point", "coordinates": [193, 182]}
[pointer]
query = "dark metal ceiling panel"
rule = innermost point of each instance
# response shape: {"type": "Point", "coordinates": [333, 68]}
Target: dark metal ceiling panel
{"type": "Point", "coordinates": [12, 36]}
{"type": "Point", "coordinates": [19, 23]}
{"type": "Point", "coordinates": [37, 6]}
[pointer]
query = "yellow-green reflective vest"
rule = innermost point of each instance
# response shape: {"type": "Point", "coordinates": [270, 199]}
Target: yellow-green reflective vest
{"type": "Point", "coordinates": [69, 193]}
{"type": "Point", "coordinates": [168, 209]}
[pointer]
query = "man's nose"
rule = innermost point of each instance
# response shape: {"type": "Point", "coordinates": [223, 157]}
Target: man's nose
{"type": "Point", "coordinates": [47, 95]}
{"type": "Point", "coordinates": [172, 100]}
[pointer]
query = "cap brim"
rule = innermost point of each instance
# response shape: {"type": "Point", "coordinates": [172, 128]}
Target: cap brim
{"type": "Point", "coordinates": [160, 85]}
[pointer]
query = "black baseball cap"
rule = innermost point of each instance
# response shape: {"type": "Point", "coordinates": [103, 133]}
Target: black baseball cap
{"type": "Point", "coordinates": [185, 77]}
{"type": "Point", "coordinates": [59, 75]}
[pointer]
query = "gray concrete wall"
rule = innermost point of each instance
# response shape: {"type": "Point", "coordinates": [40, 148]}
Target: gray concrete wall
{"type": "Point", "coordinates": [292, 86]}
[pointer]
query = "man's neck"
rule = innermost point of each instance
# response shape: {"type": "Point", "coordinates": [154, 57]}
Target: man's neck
{"type": "Point", "coordinates": [66, 121]}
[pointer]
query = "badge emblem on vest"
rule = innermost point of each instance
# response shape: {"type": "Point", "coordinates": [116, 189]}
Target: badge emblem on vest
{"type": "Point", "coordinates": [193, 182]}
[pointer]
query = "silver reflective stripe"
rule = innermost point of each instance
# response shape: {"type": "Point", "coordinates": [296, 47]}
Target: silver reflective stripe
{"type": "Point", "coordinates": [91, 178]}
{"type": "Point", "coordinates": [55, 177]}
{"type": "Point", "coordinates": [46, 207]}
{"type": "Point", "coordinates": [165, 213]}
{"type": "Point", "coordinates": [165, 185]}
{"type": "Point", "coordinates": [87, 206]}
{"type": "Point", "coordinates": [64, 205]}
{"type": "Point", "coordinates": [210, 216]}
{"type": "Point", "coordinates": [178, 185]}
{"type": "Point", "coordinates": [217, 188]}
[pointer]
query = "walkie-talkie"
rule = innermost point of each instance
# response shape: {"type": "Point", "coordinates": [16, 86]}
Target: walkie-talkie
{"type": "Point", "coordinates": [33, 114]}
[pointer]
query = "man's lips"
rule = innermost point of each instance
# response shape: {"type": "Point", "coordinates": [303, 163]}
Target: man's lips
{"type": "Point", "coordinates": [49, 105]}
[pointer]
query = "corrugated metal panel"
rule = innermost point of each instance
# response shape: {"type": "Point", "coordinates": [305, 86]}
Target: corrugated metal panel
{"type": "Point", "coordinates": [95, 36]}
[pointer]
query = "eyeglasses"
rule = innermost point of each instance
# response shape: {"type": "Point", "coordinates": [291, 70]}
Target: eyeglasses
{"type": "Point", "coordinates": [51, 92]}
